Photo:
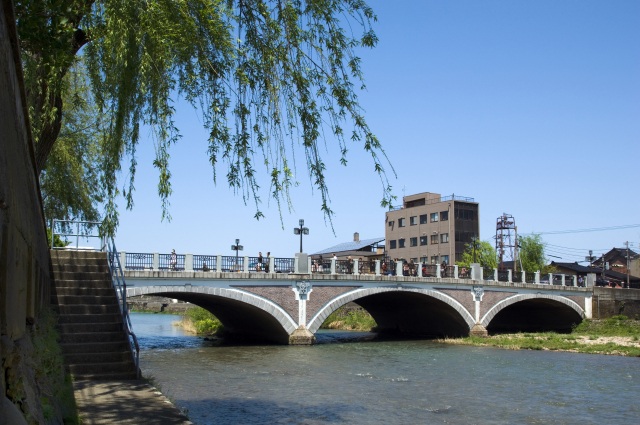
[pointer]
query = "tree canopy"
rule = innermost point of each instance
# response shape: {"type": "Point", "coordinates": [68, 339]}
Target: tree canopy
{"type": "Point", "coordinates": [481, 252]}
{"type": "Point", "coordinates": [531, 253]}
{"type": "Point", "coordinates": [267, 76]}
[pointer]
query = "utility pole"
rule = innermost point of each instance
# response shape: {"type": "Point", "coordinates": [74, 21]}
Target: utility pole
{"type": "Point", "coordinates": [628, 264]}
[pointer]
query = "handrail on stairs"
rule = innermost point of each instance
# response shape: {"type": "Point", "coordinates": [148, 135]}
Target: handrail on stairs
{"type": "Point", "coordinates": [117, 278]}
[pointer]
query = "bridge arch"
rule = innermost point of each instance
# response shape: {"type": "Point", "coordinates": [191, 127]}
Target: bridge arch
{"type": "Point", "coordinates": [456, 311]}
{"type": "Point", "coordinates": [530, 312]}
{"type": "Point", "coordinates": [242, 313]}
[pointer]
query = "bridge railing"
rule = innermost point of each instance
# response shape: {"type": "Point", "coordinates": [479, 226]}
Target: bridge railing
{"type": "Point", "coordinates": [138, 261]}
{"type": "Point", "coordinates": [133, 261]}
{"type": "Point", "coordinates": [205, 263]}
{"type": "Point", "coordinates": [171, 262]}
{"type": "Point", "coordinates": [232, 263]}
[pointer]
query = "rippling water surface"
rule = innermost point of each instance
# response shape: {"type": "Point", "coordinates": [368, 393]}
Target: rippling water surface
{"type": "Point", "coordinates": [389, 382]}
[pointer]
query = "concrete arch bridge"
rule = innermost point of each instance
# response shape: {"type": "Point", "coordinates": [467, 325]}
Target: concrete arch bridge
{"type": "Point", "coordinates": [290, 308]}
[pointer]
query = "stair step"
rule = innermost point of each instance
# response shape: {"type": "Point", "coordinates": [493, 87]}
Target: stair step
{"type": "Point", "coordinates": [95, 347]}
{"type": "Point", "coordinates": [126, 376]}
{"type": "Point", "coordinates": [93, 358]}
{"type": "Point", "coordinates": [91, 318]}
{"type": "Point", "coordinates": [65, 300]}
{"type": "Point", "coordinates": [72, 328]}
{"type": "Point", "coordinates": [87, 309]}
{"type": "Point", "coordinates": [84, 283]}
{"type": "Point", "coordinates": [72, 290]}
{"type": "Point", "coordinates": [82, 275]}
{"type": "Point", "coordinates": [91, 337]}
{"type": "Point", "coordinates": [92, 266]}
{"type": "Point", "coordinates": [101, 368]}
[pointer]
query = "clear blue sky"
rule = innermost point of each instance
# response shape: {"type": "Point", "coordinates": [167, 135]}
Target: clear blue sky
{"type": "Point", "coordinates": [530, 107]}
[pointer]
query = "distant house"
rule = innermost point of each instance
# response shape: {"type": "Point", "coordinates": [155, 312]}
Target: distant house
{"type": "Point", "coordinates": [367, 249]}
{"type": "Point", "coordinates": [617, 260]}
{"type": "Point", "coordinates": [609, 278]}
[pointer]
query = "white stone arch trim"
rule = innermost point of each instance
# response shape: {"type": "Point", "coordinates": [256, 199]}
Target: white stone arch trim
{"type": "Point", "coordinates": [489, 315]}
{"type": "Point", "coordinates": [284, 318]}
{"type": "Point", "coordinates": [319, 318]}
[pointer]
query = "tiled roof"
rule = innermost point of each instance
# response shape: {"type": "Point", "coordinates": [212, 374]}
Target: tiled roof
{"type": "Point", "coordinates": [349, 246]}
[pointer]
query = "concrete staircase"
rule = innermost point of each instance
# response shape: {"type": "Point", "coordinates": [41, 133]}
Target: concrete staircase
{"type": "Point", "coordinates": [94, 342]}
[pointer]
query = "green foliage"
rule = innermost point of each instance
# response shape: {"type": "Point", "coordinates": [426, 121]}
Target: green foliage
{"type": "Point", "coordinates": [56, 399]}
{"type": "Point", "coordinates": [481, 252]}
{"type": "Point", "coordinates": [614, 326]}
{"type": "Point", "coordinates": [269, 78]}
{"type": "Point", "coordinates": [532, 253]}
{"type": "Point", "coordinates": [57, 240]}
{"type": "Point", "coordinates": [349, 319]}
{"type": "Point", "coordinates": [70, 181]}
{"type": "Point", "coordinates": [203, 321]}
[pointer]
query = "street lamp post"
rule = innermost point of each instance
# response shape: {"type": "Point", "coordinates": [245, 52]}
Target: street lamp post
{"type": "Point", "coordinates": [300, 231]}
{"type": "Point", "coordinates": [237, 247]}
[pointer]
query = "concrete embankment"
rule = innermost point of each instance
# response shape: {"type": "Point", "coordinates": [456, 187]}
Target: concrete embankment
{"type": "Point", "coordinates": [125, 403]}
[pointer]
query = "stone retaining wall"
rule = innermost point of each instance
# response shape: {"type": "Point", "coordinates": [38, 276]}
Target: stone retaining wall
{"type": "Point", "coordinates": [24, 254]}
{"type": "Point", "coordinates": [609, 302]}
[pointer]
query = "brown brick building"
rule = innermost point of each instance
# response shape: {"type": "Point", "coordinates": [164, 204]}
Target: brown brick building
{"type": "Point", "coordinates": [431, 228]}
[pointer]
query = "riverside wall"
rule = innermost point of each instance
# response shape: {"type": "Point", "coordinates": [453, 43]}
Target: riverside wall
{"type": "Point", "coordinates": [24, 254]}
{"type": "Point", "coordinates": [608, 302]}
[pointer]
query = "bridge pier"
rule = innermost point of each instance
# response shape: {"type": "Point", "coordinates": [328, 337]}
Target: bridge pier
{"type": "Point", "coordinates": [302, 336]}
{"type": "Point", "coordinates": [478, 330]}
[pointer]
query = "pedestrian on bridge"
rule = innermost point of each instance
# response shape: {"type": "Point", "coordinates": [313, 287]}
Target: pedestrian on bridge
{"type": "Point", "coordinates": [173, 262]}
{"type": "Point", "coordinates": [259, 265]}
{"type": "Point", "coordinates": [266, 265]}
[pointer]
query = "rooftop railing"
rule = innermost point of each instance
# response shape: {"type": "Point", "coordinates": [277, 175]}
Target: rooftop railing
{"type": "Point", "coordinates": [438, 200]}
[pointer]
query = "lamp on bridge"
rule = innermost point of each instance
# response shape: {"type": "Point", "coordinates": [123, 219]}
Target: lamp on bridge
{"type": "Point", "coordinates": [301, 231]}
{"type": "Point", "coordinates": [237, 247]}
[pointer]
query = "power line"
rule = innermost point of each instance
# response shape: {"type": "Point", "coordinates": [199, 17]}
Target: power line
{"type": "Point", "coordinates": [593, 229]}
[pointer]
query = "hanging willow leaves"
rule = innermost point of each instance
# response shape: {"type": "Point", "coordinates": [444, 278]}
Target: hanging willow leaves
{"type": "Point", "coordinates": [268, 77]}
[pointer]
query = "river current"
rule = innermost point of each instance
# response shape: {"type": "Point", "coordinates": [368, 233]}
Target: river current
{"type": "Point", "coordinates": [346, 379]}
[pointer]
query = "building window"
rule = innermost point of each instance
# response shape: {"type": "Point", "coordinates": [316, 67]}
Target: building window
{"type": "Point", "coordinates": [413, 220]}
{"type": "Point", "coordinates": [424, 259]}
{"type": "Point", "coordinates": [444, 238]}
{"type": "Point", "coordinates": [434, 259]}
{"type": "Point", "coordinates": [413, 241]}
{"type": "Point", "coordinates": [392, 244]}
{"type": "Point", "coordinates": [423, 240]}
{"type": "Point", "coordinates": [445, 258]}
{"type": "Point", "coordinates": [444, 215]}
{"type": "Point", "coordinates": [401, 222]}
{"type": "Point", "coordinates": [434, 239]}
{"type": "Point", "coordinates": [434, 217]}
{"type": "Point", "coordinates": [423, 219]}
{"type": "Point", "coordinates": [401, 243]}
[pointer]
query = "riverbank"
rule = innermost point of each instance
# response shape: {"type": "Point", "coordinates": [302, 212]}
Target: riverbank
{"type": "Point", "coordinates": [616, 335]}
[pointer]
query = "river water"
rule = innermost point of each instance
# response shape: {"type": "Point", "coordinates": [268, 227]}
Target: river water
{"type": "Point", "coordinates": [383, 382]}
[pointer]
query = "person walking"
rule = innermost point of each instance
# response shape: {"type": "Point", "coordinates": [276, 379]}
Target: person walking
{"type": "Point", "coordinates": [259, 265]}
{"type": "Point", "coordinates": [267, 263]}
{"type": "Point", "coordinates": [173, 262]}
